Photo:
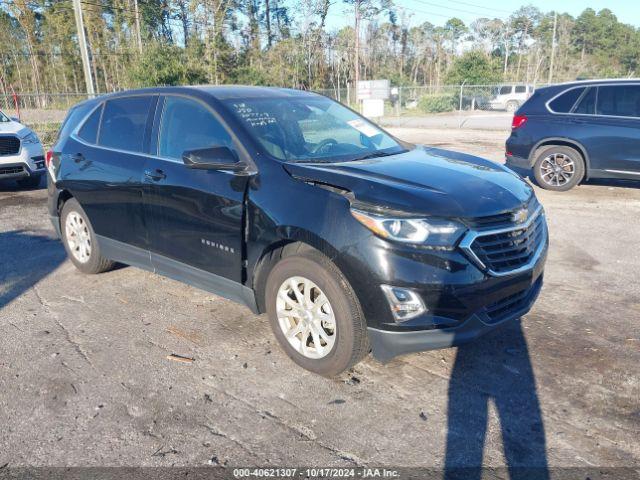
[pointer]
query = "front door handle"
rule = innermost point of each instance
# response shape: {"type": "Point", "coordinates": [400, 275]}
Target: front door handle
{"type": "Point", "coordinates": [155, 175]}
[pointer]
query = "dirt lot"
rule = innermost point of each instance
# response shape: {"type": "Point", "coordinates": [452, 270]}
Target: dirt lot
{"type": "Point", "coordinates": [85, 378]}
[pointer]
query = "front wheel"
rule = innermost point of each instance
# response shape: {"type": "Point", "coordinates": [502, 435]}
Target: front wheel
{"type": "Point", "coordinates": [558, 168]}
{"type": "Point", "coordinates": [314, 314]}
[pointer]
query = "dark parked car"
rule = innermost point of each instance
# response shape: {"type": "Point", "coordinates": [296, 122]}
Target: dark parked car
{"type": "Point", "coordinates": [296, 206]}
{"type": "Point", "coordinates": [571, 132]}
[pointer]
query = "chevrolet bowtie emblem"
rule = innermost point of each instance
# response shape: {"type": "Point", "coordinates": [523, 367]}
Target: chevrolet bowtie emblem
{"type": "Point", "coordinates": [519, 216]}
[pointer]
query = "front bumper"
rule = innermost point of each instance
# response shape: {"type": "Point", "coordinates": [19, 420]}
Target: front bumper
{"type": "Point", "coordinates": [29, 161]}
{"type": "Point", "coordinates": [387, 344]}
{"type": "Point", "coordinates": [463, 297]}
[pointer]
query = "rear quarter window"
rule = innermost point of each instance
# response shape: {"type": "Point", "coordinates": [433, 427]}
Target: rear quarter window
{"type": "Point", "coordinates": [75, 116]}
{"type": "Point", "coordinates": [565, 101]}
{"type": "Point", "coordinates": [89, 130]}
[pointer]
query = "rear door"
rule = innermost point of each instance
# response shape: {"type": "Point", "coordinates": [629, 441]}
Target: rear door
{"type": "Point", "coordinates": [614, 143]}
{"type": "Point", "coordinates": [195, 216]}
{"type": "Point", "coordinates": [105, 160]}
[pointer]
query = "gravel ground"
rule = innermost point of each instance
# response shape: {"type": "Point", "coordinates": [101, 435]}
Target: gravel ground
{"type": "Point", "coordinates": [87, 377]}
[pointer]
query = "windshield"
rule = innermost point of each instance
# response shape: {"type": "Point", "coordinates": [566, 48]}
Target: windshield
{"type": "Point", "coordinates": [4, 118]}
{"type": "Point", "coordinates": [311, 129]}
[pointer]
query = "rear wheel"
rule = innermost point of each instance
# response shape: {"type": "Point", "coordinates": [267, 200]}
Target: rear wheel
{"type": "Point", "coordinates": [79, 240]}
{"type": "Point", "coordinates": [315, 314]}
{"type": "Point", "coordinates": [558, 168]}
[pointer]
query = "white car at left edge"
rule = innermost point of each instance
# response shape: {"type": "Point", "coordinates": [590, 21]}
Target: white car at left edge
{"type": "Point", "coordinates": [21, 153]}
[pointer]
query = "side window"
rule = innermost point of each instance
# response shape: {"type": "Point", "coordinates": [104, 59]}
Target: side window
{"type": "Point", "coordinates": [521, 89]}
{"type": "Point", "coordinates": [564, 103]}
{"type": "Point", "coordinates": [89, 131]}
{"type": "Point", "coordinates": [188, 125]}
{"type": "Point", "coordinates": [619, 100]}
{"type": "Point", "coordinates": [74, 116]}
{"type": "Point", "coordinates": [587, 104]}
{"type": "Point", "coordinates": [505, 90]}
{"type": "Point", "coordinates": [124, 122]}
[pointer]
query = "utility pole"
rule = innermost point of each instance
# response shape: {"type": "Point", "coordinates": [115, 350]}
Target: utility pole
{"type": "Point", "coordinates": [135, 4]}
{"type": "Point", "coordinates": [356, 5]}
{"type": "Point", "coordinates": [553, 46]}
{"type": "Point", "coordinates": [84, 51]}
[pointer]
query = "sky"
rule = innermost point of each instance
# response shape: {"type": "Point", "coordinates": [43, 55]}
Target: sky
{"type": "Point", "coordinates": [438, 11]}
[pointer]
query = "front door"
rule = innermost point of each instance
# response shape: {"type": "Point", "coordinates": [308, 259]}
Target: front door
{"type": "Point", "coordinates": [195, 216]}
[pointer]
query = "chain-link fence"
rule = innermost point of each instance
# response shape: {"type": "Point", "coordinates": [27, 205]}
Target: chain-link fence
{"type": "Point", "coordinates": [43, 112]}
{"type": "Point", "coordinates": [445, 106]}
{"type": "Point", "coordinates": [428, 100]}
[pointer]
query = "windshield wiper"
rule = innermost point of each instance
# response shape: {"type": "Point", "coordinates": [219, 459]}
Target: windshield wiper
{"type": "Point", "coordinates": [311, 160]}
{"type": "Point", "coordinates": [377, 154]}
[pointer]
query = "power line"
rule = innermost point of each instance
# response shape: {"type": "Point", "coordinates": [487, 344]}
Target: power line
{"type": "Point", "coordinates": [481, 7]}
{"type": "Point", "coordinates": [453, 9]}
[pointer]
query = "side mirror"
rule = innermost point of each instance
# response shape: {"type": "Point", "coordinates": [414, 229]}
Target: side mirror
{"type": "Point", "coordinates": [213, 158]}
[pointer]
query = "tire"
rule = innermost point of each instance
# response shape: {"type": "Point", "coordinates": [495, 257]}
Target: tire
{"type": "Point", "coordinates": [512, 106]}
{"type": "Point", "coordinates": [347, 331]}
{"type": "Point", "coordinates": [30, 182]}
{"type": "Point", "coordinates": [570, 163]}
{"type": "Point", "coordinates": [93, 262]}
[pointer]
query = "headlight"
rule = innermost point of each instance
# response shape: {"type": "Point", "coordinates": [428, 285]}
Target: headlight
{"type": "Point", "coordinates": [32, 138]}
{"type": "Point", "coordinates": [431, 232]}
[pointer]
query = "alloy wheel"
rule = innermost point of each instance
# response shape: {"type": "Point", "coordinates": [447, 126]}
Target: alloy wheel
{"type": "Point", "coordinates": [557, 169]}
{"type": "Point", "coordinates": [306, 317]}
{"type": "Point", "coordinates": [78, 237]}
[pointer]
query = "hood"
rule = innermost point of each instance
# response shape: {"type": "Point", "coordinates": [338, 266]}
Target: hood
{"type": "Point", "coordinates": [15, 128]}
{"type": "Point", "coordinates": [425, 180]}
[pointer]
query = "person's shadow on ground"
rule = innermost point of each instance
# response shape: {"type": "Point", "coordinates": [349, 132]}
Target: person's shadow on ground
{"type": "Point", "coordinates": [495, 369]}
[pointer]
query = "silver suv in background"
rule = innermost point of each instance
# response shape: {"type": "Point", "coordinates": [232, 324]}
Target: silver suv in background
{"type": "Point", "coordinates": [21, 154]}
{"type": "Point", "coordinates": [510, 97]}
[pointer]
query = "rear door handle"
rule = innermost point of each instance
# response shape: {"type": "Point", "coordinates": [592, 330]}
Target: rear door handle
{"type": "Point", "coordinates": [155, 175]}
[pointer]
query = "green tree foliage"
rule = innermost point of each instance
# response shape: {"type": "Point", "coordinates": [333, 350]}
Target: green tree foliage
{"type": "Point", "coordinates": [288, 43]}
{"type": "Point", "coordinates": [474, 68]}
{"type": "Point", "coordinates": [162, 64]}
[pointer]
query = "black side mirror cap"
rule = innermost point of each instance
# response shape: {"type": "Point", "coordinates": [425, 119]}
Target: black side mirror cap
{"type": "Point", "coordinates": [213, 158]}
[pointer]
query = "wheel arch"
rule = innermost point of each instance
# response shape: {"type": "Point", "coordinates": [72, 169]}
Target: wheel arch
{"type": "Point", "coordinates": [63, 197]}
{"type": "Point", "coordinates": [563, 142]}
{"type": "Point", "coordinates": [284, 246]}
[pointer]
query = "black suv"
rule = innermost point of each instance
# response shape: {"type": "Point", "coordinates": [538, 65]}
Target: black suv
{"type": "Point", "coordinates": [571, 132]}
{"type": "Point", "coordinates": [296, 206]}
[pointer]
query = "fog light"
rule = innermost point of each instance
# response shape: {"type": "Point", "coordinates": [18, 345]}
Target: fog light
{"type": "Point", "coordinates": [405, 304]}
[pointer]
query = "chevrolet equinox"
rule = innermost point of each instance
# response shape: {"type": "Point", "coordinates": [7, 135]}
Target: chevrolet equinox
{"type": "Point", "coordinates": [288, 202]}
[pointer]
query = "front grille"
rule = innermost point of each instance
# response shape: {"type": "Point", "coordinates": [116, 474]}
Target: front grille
{"type": "Point", "coordinates": [10, 170]}
{"type": "Point", "coordinates": [513, 304]}
{"type": "Point", "coordinates": [503, 251]}
{"type": "Point", "coordinates": [9, 145]}
{"type": "Point", "coordinates": [491, 221]}
{"type": "Point", "coordinates": [500, 220]}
